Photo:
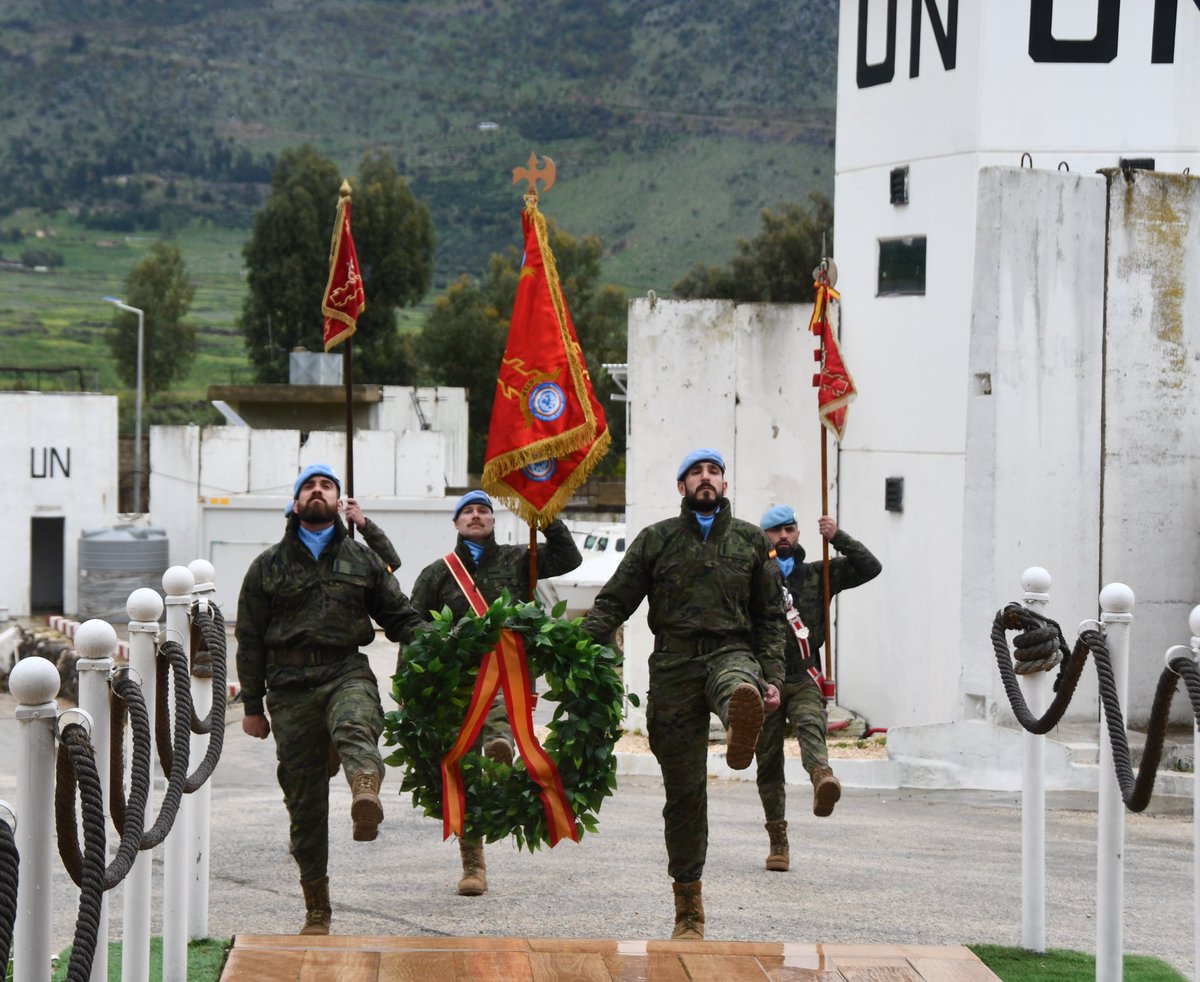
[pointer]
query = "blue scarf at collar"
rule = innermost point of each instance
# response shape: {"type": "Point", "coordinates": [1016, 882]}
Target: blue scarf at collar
{"type": "Point", "coordinates": [316, 541]}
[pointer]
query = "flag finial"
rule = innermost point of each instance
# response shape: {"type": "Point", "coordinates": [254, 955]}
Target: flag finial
{"type": "Point", "coordinates": [532, 174]}
{"type": "Point", "coordinates": [344, 190]}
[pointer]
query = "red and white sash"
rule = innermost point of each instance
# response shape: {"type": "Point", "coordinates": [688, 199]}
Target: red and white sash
{"type": "Point", "coordinates": [807, 659]}
{"type": "Point", "coordinates": [502, 668]}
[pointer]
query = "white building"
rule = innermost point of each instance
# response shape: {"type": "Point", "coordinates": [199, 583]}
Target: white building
{"type": "Point", "coordinates": [1022, 319]}
{"type": "Point", "coordinates": [61, 480]}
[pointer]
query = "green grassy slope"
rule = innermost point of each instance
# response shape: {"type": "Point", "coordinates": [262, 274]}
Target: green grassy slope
{"type": "Point", "coordinates": [673, 125]}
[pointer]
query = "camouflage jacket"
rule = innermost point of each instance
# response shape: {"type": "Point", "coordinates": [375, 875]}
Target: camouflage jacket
{"type": "Point", "coordinates": [854, 567]}
{"type": "Point", "coordinates": [725, 590]}
{"type": "Point", "coordinates": [291, 602]}
{"type": "Point", "coordinates": [381, 545]}
{"type": "Point", "coordinates": [499, 567]}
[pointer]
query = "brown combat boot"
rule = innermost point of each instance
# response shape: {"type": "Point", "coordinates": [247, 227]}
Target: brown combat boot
{"type": "Point", "coordinates": [474, 878]}
{"type": "Point", "coordinates": [499, 750]}
{"type": "Point", "coordinates": [745, 722]}
{"type": "Point", "coordinates": [689, 912]}
{"type": "Point", "coordinates": [777, 858]}
{"type": "Point", "coordinates": [827, 789]}
{"type": "Point", "coordinates": [316, 900]}
{"type": "Point", "coordinates": [366, 810]}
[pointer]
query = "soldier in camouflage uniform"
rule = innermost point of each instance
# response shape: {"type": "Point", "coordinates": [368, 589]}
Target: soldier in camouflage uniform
{"type": "Point", "coordinates": [717, 615]}
{"type": "Point", "coordinates": [802, 707]}
{"type": "Point", "coordinates": [304, 611]}
{"type": "Point", "coordinates": [494, 568]}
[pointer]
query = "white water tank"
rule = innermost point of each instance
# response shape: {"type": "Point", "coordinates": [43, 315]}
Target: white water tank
{"type": "Point", "coordinates": [113, 562]}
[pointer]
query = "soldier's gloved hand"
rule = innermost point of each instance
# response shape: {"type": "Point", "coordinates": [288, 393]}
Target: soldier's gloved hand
{"type": "Point", "coordinates": [771, 698]}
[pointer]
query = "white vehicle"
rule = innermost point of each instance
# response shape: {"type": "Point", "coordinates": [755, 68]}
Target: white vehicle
{"type": "Point", "coordinates": [602, 545]}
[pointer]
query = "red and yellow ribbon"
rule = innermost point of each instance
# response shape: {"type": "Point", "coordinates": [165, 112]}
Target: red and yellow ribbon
{"type": "Point", "coordinates": [503, 668]}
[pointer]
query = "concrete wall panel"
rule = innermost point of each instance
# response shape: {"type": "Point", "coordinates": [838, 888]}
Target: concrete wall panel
{"type": "Point", "coordinates": [1152, 418]}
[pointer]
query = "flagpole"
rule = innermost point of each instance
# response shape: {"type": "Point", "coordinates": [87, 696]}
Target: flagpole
{"type": "Point", "coordinates": [825, 554]}
{"type": "Point", "coordinates": [348, 380]}
{"type": "Point", "coordinates": [821, 274]}
{"type": "Point", "coordinates": [532, 561]}
{"type": "Point", "coordinates": [341, 305]}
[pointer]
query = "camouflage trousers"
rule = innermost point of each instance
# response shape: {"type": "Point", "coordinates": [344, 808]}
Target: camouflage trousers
{"type": "Point", "coordinates": [801, 711]}
{"type": "Point", "coordinates": [678, 706]}
{"type": "Point", "coordinates": [346, 712]}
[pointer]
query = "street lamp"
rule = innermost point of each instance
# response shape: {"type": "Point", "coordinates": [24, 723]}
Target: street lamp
{"type": "Point", "coordinates": [137, 426]}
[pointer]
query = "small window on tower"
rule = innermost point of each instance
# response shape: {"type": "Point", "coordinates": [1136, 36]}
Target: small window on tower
{"type": "Point", "coordinates": [899, 185]}
{"type": "Point", "coordinates": [902, 267]}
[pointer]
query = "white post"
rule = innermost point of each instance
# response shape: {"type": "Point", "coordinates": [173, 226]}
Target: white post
{"type": "Point", "coordinates": [1036, 583]}
{"type": "Point", "coordinates": [144, 607]}
{"type": "Point", "coordinates": [200, 802]}
{"type": "Point", "coordinates": [1194, 624]}
{"type": "Point", "coordinates": [96, 643]}
{"type": "Point", "coordinates": [34, 682]}
{"type": "Point", "coordinates": [1116, 606]}
{"type": "Point", "coordinates": [177, 582]}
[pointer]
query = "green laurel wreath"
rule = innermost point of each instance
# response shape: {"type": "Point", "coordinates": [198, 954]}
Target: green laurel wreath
{"type": "Point", "coordinates": [434, 691]}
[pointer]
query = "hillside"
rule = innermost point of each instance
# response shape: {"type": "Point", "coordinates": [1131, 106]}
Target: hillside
{"type": "Point", "coordinates": [673, 125]}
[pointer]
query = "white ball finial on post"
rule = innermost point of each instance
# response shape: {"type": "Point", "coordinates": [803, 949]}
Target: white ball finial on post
{"type": "Point", "coordinates": [203, 572]}
{"type": "Point", "coordinates": [95, 639]}
{"type": "Point", "coordinates": [34, 681]}
{"type": "Point", "coordinates": [1194, 624]}
{"type": "Point", "coordinates": [144, 605]}
{"type": "Point", "coordinates": [178, 581]}
{"type": "Point", "coordinates": [1116, 598]}
{"type": "Point", "coordinates": [1035, 581]}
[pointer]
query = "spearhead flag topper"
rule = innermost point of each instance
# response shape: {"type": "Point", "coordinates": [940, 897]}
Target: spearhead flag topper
{"type": "Point", "coordinates": [344, 299]}
{"type": "Point", "coordinates": [835, 387]}
{"type": "Point", "coordinates": [548, 431]}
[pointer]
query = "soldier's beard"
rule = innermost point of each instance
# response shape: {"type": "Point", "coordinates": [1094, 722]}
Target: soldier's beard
{"type": "Point", "coordinates": [783, 550]}
{"type": "Point", "coordinates": [317, 511]}
{"type": "Point", "coordinates": [706, 506]}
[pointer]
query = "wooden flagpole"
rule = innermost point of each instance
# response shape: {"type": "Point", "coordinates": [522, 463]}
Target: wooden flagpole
{"type": "Point", "coordinates": [825, 555]}
{"type": "Point", "coordinates": [348, 381]}
{"type": "Point", "coordinates": [532, 561]}
{"type": "Point", "coordinates": [821, 274]}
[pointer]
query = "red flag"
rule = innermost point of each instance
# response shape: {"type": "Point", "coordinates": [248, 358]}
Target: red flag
{"type": "Point", "coordinates": [344, 298]}
{"type": "Point", "coordinates": [548, 430]}
{"type": "Point", "coordinates": [835, 387]}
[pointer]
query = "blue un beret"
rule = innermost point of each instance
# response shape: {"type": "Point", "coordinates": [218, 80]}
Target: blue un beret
{"type": "Point", "coordinates": [472, 498]}
{"type": "Point", "coordinates": [695, 457]}
{"type": "Point", "coordinates": [315, 470]}
{"type": "Point", "coordinates": [779, 515]}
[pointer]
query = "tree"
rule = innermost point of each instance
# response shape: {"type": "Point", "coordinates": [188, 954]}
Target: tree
{"type": "Point", "coordinates": [775, 267]}
{"type": "Point", "coordinates": [287, 262]}
{"type": "Point", "coordinates": [160, 287]}
{"type": "Point", "coordinates": [463, 339]}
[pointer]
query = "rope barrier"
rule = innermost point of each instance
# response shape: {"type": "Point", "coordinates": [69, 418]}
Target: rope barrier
{"type": "Point", "coordinates": [212, 630]}
{"type": "Point", "coordinates": [1041, 644]}
{"type": "Point", "coordinates": [1014, 617]}
{"type": "Point", "coordinates": [10, 864]}
{"type": "Point", "coordinates": [77, 763]}
{"type": "Point", "coordinates": [174, 760]}
{"type": "Point", "coordinates": [75, 767]}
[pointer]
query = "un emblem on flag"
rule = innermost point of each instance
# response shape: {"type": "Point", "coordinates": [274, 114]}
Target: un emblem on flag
{"type": "Point", "coordinates": [547, 402]}
{"type": "Point", "coordinates": [542, 470]}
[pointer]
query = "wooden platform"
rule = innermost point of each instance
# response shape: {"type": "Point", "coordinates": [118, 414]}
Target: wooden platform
{"type": "Point", "coordinates": [267, 958]}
